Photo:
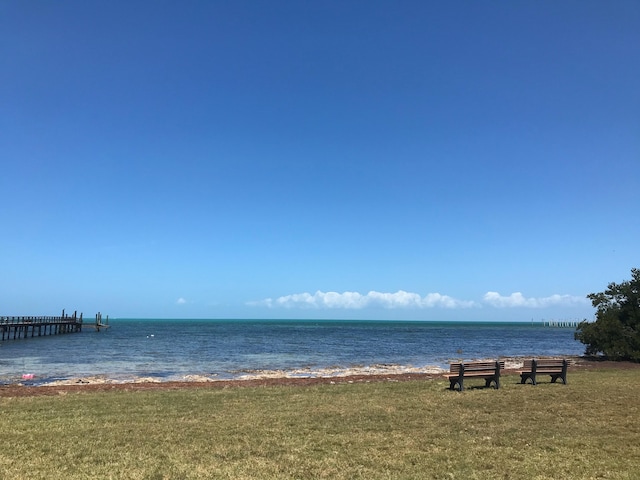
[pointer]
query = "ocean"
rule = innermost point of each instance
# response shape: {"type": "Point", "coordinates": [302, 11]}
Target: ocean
{"type": "Point", "coordinates": [163, 350]}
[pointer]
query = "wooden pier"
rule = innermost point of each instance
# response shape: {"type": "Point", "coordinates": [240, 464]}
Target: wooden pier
{"type": "Point", "coordinates": [13, 328]}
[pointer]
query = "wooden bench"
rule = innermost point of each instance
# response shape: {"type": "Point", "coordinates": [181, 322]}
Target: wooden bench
{"type": "Point", "coordinates": [489, 371]}
{"type": "Point", "coordinates": [556, 367]}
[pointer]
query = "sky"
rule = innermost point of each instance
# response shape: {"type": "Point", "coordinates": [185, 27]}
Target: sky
{"type": "Point", "coordinates": [407, 160]}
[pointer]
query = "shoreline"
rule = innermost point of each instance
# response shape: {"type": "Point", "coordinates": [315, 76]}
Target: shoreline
{"type": "Point", "coordinates": [30, 380]}
{"type": "Point", "coordinates": [303, 377]}
{"type": "Point", "coordinates": [237, 376]}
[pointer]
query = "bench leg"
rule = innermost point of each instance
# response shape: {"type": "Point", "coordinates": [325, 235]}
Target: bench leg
{"type": "Point", "coordinates": [528, 376]}
{"type": "Point", "coordinates": [454, 381]}
{"type": "Point", "coordinates": [487, 382]}
{"type": "Point", "coordinates": [558, 376]}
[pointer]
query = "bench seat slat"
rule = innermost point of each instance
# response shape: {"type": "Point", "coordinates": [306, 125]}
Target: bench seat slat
{"type": "Point", "coordinates": [474, 374]}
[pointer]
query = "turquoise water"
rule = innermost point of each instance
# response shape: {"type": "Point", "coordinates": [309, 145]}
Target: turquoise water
{"type": "Point", "coordinates": [221, 349]}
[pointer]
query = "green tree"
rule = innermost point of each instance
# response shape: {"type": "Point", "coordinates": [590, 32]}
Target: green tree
{"type": "Point", "coordinates": [616, 331]}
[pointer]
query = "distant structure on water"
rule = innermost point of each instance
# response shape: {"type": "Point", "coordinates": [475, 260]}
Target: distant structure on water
{"type": "Point", "coordinates": [560, 323]}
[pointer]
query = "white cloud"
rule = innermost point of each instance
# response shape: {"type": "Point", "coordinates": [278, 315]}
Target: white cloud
{"type": "Point", "coordinates": [518, 300]}
{"type": "Point", "coordinates": [181, 301]}
{"type": "Point", "coordinates": [405, 300]}
{"type": "Point", "coordinates": [356, 300]}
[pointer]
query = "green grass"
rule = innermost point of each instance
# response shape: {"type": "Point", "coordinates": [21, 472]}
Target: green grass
{"type": "Point", "coordinates": [588, 429]}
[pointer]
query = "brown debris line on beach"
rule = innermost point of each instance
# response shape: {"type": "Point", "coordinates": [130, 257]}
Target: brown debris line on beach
{"type": "Point", "coordinates": [25, 391]}
{"type": "Point", "coordinates": [18, 390]}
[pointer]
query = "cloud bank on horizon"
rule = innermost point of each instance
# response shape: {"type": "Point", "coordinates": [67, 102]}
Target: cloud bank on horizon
{"type": "Point", "coordinates": [402, 299]}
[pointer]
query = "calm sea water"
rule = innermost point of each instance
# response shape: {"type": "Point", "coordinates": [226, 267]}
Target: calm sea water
{"type": "Point", "coordinates": [172, 349]}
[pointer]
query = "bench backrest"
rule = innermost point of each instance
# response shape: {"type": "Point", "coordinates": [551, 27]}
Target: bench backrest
{"type": "Point", "coordinates": [546, 364]}
{"type": "Point", "coordinates": [551, 363]}
{"type": "Point", "coordinates": [477, 367]}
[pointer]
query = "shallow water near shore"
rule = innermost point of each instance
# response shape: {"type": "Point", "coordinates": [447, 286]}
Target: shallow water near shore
{"type": "Point", "coordinates": [163, 350]}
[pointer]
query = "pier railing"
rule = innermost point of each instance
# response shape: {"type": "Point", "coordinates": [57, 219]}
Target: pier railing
{"type": "Point", "coordinates": [36, 320]}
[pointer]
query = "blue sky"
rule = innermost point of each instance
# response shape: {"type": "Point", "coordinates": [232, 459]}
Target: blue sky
{"type": "Point", "coordinates": [335, 159]}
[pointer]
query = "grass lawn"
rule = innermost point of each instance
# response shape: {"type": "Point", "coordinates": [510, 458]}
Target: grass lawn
{"type": "Point", "coordinates": [588, 429]}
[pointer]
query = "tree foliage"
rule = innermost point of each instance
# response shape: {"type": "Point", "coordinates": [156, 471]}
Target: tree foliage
{"type": "Point", "coordinates": [616, 330]}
